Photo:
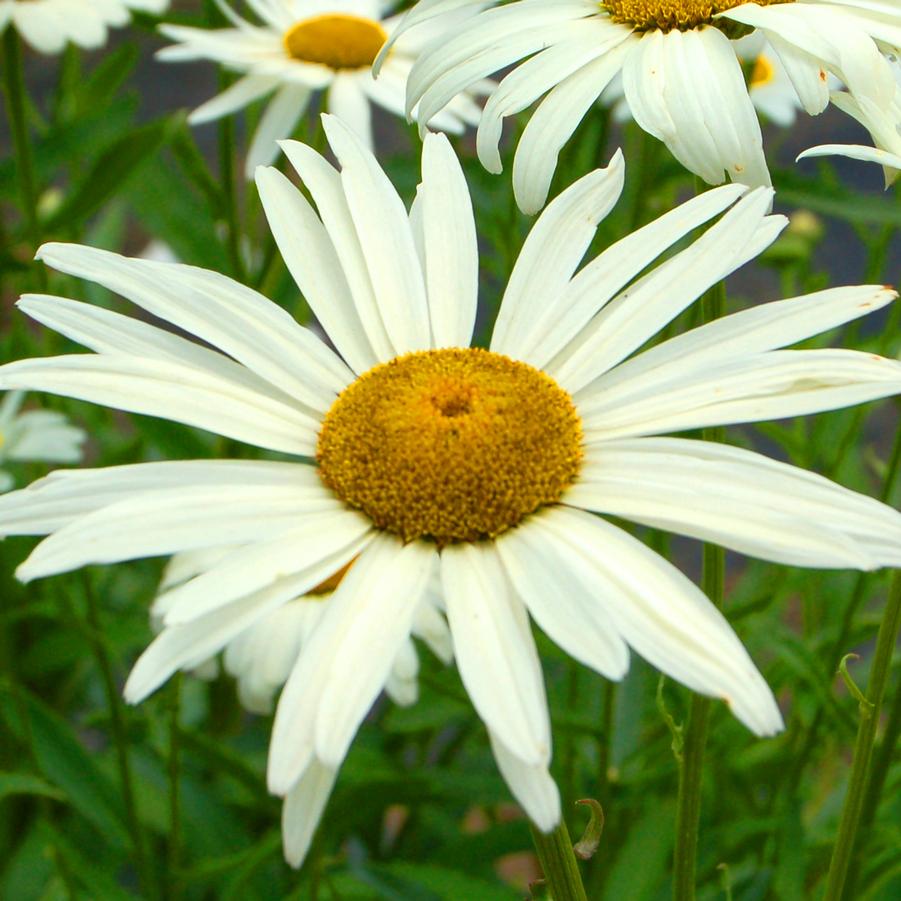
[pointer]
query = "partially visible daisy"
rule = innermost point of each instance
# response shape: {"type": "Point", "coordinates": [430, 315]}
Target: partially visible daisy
{"type": "Point", "coordinates": [305, 46]}
{"type": "Point", "coordinates": [48, 25]}
{"type": "Point", "coordinates": [883, 121]}
{"type": "Point", "coordinates": [35, 436]}
{"type": "Point", "coordinates": [682, 79]}
{"type": "Point", "coordinates": [417, 456]}
{"type": "Point", "coordinates": [262, 657]}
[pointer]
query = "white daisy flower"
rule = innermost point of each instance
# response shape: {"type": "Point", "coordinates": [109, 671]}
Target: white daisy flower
{"type": "Point", "coordinates": [883, 124]}
{"type": "Point", "coordinates": [48, 25]}
{"type": "Point", "coordinates": [416, 454]}
{"type": "Point", "coordinates": [682, 79]}
{"type": "Point", "coordinates": [305, 46]}
{"type": "Point", "coordinates": [35, 436]}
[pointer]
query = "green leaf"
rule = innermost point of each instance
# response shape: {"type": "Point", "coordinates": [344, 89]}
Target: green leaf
{"type": "Point", "coordinates": [118, 164]}
{"type": "Point", "coordinates": [27, 784]}
{"type": "Point", "coordinates": [66, 764]}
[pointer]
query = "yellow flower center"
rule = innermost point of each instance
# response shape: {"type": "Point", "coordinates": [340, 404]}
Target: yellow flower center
{"type": "Point", "coordinates": [450, 445]}
{"type": "Point", "coordinates": [336, 40]}
{"type": "Point", "coordinates": [763, 72]}
{"type": "Point", "coordinates": [667, 15]}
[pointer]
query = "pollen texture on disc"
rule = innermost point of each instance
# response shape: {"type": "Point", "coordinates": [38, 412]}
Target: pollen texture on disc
{"type": "Point", "coordinates": [450, 445]}
{"type": "Point", "coordinates": [672, 14]}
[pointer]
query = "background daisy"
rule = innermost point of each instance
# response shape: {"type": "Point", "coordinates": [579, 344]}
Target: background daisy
{"type": "Point", "coordinates": [38, 436]}
{"type": "Point", "coordinates": [682, 79]}
{"type": "Point", "coordinates": [47, 25]}
{"type": "Point", "coordinates": [491, 464]}
{"type": "Point", "coordinates": [301, 47]}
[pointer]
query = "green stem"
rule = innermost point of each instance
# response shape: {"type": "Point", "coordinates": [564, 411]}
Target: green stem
{"type": "Point", "coordinates": [558, 863]}
{"type": "Point", "coordinates": [688, 804]}
{"type": "Point", "coordinates": [174, 775]}
{"type": "Point", "coordinates": [230, 196]}
{"type": "Point", "coordinates": [120, 739]}
{"type": "Point", "coordinates": [882, 761]}
{"type": "Point", "coordinates": [863, 746]}
{"type": "Point", "coordinates": [16, 106]}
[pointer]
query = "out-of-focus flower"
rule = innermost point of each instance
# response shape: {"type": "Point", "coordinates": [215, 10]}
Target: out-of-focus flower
{"type": "Point", "coordinates": [48, 25]}
{"type": "Point", "coordinates": [35, 436]}
{"type": "Point", "coordinates": [305, 46]}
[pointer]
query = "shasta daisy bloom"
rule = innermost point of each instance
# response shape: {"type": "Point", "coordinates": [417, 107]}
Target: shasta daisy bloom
{"type": "Point", "coordinates": [304, 46]}
{"type": "Point", "coordinates": [48, 25]}
{"type": "Point", "coordinates": [35, 436]}
{"type": "Point", "coordinates": [682, 79]}
{"type": "Point", "coordinates": [419, 457]}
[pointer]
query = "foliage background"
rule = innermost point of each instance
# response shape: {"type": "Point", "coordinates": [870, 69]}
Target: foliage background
{"type": "Point", "coordinates": [168, 800]}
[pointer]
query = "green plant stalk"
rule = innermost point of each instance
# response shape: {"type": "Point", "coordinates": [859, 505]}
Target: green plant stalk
{"type": "Point", "coordinates": [173, 767]}
{"type": "Point", "coordinates": [879, 770]}
{"type": "Point", "coordinates": [688, 803]}
{"type": "Point", "coordinates": [863, 746]}
{"type": "Point", "coordinates": [558, 863]}
{"type": "Point", "coordinates": [230, 194]}
{"type": "Point", "coordinates": [16, 106]}
{"type": "Point", "coordinates": [120, 739]}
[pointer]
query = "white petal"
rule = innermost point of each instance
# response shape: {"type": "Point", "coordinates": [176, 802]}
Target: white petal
{"type": "Point", "coordinates": [184, 646]}
{"type": "Point", "coordinates": [773, 385]}
{"type": "Point", "coordinates": [235, 97]}
{"type": "Point", "coordinates": [228, 315]}
{"type": "Point", "coordinates": [303, 810]}
{"type": "Point", "coordinates": [325, 187]}
{"type": "Point", "coordinates": [562, 606]}
{"type": "Point", "coordinates": [348, 658]}
{"type": "Point", "coordinates": [279, 119]}
{"type": "Point", "coordinates": [531, 785]}
{"type": "Point", "coordinates": [554, 121]}
{"type": "Point", "coordinates": [495, 651]}
{"type": "Point", "coordinates": [347, 100]}
{"type": "Point", "coordinates": [662, 614]}
{"type": "Point", "coordinates": [738, 499]}
{"type": "Point", "coordinates": [384, 232]}
{"type": "Point", "coordinates": [311, 259]}
{"type": "Point", "coordinates": [171, 391]}
{"type": "Point", "coordinates": [252, 568]}
{"type": "Point", "coordinates": [552, 251]}
{"type": "Point", "coordinates": [599, 280]}
{"type": "Point", "coordinates": [172, 520]}
{"type": "Point", "coordinates": [450, 245]}
{"type": "Point", "coordinates": [645, 307]}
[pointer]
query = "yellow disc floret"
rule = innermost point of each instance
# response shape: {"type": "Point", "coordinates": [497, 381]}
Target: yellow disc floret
{"type": "Point", "coordinates": [336, 40]}
{"type": "Point", "coordinates": [763, 72]}
{"type": "Point", "coordinates": [667, 15]}
{"type": "Point", "coordinates": [450, 445]}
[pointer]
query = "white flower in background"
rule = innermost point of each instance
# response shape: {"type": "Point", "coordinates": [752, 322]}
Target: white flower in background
{"type": "Point", "coordinates": [433, 459]}
{"type": "Point", "coordinates": [261, 658]}
{"type": "Point", "coordinates": [48, 25]}
{"type": "Point", "coordinates": [305, 46]}
{"type": "Point", "coordinates": [883, 123]}
{"type": "Point", "coordinates": [35, 436]}
{"type": "Point", "coordinates": [682, 79]}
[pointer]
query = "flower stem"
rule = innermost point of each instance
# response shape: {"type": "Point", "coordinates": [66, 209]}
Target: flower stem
{"type": "Point", "coordinates": [16, 106]}
{"type": "Point", "coordinates": [863, 746]}
{"type": "Point", "coordinates": [120, 739]}
{"type": "Point", "coordinates": [558, 862]}
{"type": "Point", "coordinates": [173, 767]}
{"type": "Point", "coordinates": [688, 804]}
